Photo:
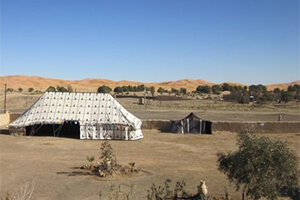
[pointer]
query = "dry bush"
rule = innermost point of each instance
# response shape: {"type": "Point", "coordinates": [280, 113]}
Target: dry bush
{"type": "Point", "coordinates": [22, 192]}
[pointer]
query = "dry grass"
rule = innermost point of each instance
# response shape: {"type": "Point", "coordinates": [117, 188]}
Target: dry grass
{"type": "Point", "coordinates": [24, 191]}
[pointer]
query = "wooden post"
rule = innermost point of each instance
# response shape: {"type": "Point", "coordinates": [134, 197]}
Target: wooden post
{"type": "Point", "coordinates": [145, 96]}
{"type": "Point", "coordinates": [4, 98]}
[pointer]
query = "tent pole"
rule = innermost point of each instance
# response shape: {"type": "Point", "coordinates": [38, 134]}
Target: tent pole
{"type": "Point", "coordinates": [200, 126]}
{"type": "Point", "coordinates": [188, 125]}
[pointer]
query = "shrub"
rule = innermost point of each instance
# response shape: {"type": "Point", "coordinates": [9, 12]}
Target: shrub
{"type": "Point", "coordinates": [108, 158]}
{"type": "Point", "coordinates": [152, 90]}
{"type": "Point", "coordinates": [267, 96]}
{"type": "Point", "coordinates": [70, 88]}
{"type": "Point", "coordinates": [24, 191]}
{"type": "Point", "coordinates": [286, 96]}
{"type": "Point", "coordinates": [51, 89]}
{"type": "Point", "coordinates": [294, 88]}
{"type": "Point", "coordinates": [261, 166]}
{"type": "Point", "coordinates": [116, 192]}
{"type": "Point", "coordinates": [161, 90]}
{"type": "Point", "coordinates": [125, 89]}
{"type": "Point", "coordinates": [183, 91]}
{"type": "Point", "coordinates": [226, 87]}
{"type": "Point", "coordinates": [104, 89]}
{"type": "Point", "coordinates": [175, 91]}
{"type": "Point", "coordinates": [90, 159]}
{"type": "Point", "coordinates": [179, 192]}
{"type": "Point", "coordinates": [9, 90]}
{"type": "Point", "coordinates": [203, 89]}
{"type": "Point", "coordinates": [118, 89]}
{"type": "Point", "coordinates": [61, 89]}
{"type": "Point", "coordinates": [216, 89]}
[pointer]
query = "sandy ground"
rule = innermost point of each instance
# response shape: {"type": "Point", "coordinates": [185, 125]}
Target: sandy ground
{"type": "Point", "coordinates": [178, 157]}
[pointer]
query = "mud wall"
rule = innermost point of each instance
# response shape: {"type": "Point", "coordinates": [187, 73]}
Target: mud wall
{"type": "Point", "coordinates": [7, 118]}
{"type": "Point", "coordinates": [162, 125]}
{"type": "Point", "coordinates": [257, 127]}
{"type": "Point", "coordinates": [13, 117]}
{"type": "Point", "coordinates": [4, 119]}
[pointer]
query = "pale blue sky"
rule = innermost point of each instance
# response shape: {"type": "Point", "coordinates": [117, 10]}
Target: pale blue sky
{"type": "Point", "coordinates": [246, 41]}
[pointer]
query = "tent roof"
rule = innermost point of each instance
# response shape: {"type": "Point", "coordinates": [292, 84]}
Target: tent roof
{"type": "Point", "coordinates": [87, 108]}
{"type": "Point", "coordinates": [192, 116]}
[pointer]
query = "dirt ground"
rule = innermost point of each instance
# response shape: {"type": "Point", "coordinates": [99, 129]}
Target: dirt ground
{"type": "Point", "coordinates": [49, 160]}
{"type": "Point", "coordinates": [53, 162]}
{"type": "Point", "coordinates": [166, 110]}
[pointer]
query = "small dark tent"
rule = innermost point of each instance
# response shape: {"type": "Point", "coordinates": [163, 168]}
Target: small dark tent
{"type": "Point", "coordinates": [191, 124]}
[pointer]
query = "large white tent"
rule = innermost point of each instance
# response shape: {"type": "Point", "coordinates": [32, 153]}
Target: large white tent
{"type": "Point", "coordinates": [97, 116]}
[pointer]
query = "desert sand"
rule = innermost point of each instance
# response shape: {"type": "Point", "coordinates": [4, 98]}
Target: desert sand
{"type": "Point", "coordinates": [91, 85]}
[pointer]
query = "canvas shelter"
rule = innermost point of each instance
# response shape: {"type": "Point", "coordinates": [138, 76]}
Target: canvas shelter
{"type": "Point", "coordinates": [191, 124]}
{"type": "Point", "coordinates": [78, 115]}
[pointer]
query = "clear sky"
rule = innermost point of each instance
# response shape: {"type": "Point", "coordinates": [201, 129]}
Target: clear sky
{"type": "Point", "coordinates": [246, 41]}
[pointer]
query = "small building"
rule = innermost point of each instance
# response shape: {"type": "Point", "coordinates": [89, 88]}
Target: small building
{"type": "Point", "coordinates": [78, 115]}
{"type": "Point", "coordinates": [191, 124]}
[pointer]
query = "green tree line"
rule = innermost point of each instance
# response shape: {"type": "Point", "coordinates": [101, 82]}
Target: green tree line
{"type": "Point", "coordinates": [258, 92]}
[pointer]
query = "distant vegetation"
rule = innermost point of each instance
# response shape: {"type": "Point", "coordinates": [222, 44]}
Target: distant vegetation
{"type": "Point", "coordinates": [104, 89]}
{"type": "Point", "coordinates": [257, 93]}
{"type": "Point", "coordinates": [60, 89]}
{"type": "Point", "coordinates": [236, 93]}
{"type": "Point", "coordinates": [30, 90]}
{"type": "Point", "coordinates": [162, 90]}
{"type": "Point", "coordinates": [9, 90]}
{"type": "Point", "coordinates": [129, 88]}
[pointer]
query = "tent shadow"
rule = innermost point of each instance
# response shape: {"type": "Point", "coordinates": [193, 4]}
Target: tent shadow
{"type": "Point", "coordinates": [4, 131]}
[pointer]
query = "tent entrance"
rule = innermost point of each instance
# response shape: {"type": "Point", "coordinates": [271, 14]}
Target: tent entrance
{"type": "Point", "coordinates": [68, 129]}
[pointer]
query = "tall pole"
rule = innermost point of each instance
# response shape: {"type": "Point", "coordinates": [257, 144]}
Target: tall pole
{"type": "Point", "coordinates": [145, 96]}
{"type": "Point", "coordinates": [5, 98]}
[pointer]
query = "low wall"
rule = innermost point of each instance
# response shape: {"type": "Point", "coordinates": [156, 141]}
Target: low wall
{"type": "Point", "coordinates": [258, 127]}
{"type": "Point", "coordinates": [162, 125]}
{"type": "Point", "coordinates": [13, 117]}
{"type": "Point", "coordinates": [4, 119]}
{"type": "Point", "coordinates": [7, 118]}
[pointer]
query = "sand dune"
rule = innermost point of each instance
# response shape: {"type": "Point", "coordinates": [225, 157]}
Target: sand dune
{"type": "Point", "coordinates": [283, 85]}
{"type": "Point", "coordinates": [91, 85]}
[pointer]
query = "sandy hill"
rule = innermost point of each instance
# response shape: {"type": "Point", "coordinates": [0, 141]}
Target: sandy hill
{"type": "Point", "coordinates": [91, 85]}
{"type": "Point", "coordinates": [282, 85]}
